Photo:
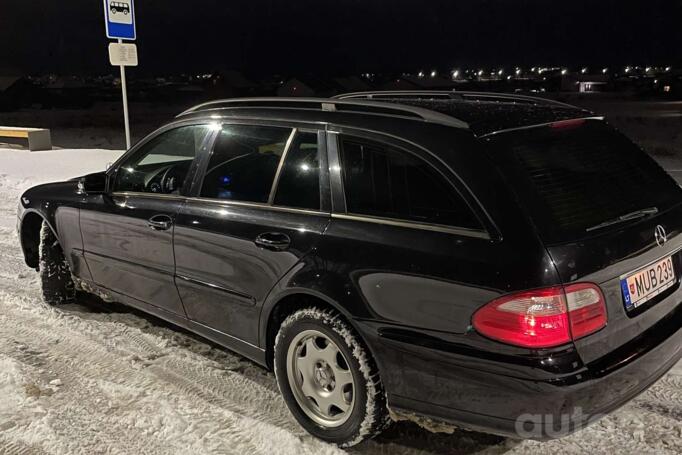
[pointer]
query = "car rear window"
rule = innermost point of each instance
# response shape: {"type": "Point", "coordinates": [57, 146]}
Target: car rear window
{"type": "Point", "coordinates": [574, 175]}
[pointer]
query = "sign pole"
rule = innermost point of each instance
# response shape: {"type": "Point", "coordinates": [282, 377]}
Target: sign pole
{"type": "Point", "coordinates": [119, 19]}
{"type": "Point", "coordinates": [124, 89]}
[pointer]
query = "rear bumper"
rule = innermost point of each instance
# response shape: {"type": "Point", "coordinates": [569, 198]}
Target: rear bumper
{"type": "Point", "coordinates": [439, 385]}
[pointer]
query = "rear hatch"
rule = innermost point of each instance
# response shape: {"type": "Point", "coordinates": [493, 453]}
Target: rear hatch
{"type": "Point", "coordinates": [607, 213]}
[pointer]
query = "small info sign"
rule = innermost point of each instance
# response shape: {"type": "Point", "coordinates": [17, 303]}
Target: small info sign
{"type": "Point", "coordinates": [122, 54]}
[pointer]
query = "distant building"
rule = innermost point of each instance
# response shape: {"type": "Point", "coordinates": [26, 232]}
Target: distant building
{"type": "Point", "coordinates": [6, 82]}
{"type": "Point", "coordinates": [15, 90]}
{"type": "Point", "coordinates": [398, 83]}
{"type": "Point", "coordinates": [230, 83]}
{"type": "Point", "coordinates": [310, 85]}
{"type": "Point", "coordinates": [592, 86]}
{"type": "Point", "coordinates": [295, 87]}
{"type": "Point", "coordinates": [670, 85]}
{"type": "Point", "coordinates": [352, 84]}
{"type": "Point", "coordinates": [585, 83]}
{"type": "Point", "coordinates": [429, 82]}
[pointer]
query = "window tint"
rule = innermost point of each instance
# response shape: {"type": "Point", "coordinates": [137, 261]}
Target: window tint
{"type": "Point", "coordinates": [244, 162]}
{"type": "Point", "coordinates": [380, 180]}
{"type": "Point", "coordinates": [299, 181]}
{"type": "Point", "coordinates": [571, 179]}
{"type": "Point", "coordinates": [162, 164]}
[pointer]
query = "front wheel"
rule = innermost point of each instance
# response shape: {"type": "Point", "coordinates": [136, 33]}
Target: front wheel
{"type": "Point", "coordinates": [328, 379]}
{"type": "Point", "coordinates": [55, 274]}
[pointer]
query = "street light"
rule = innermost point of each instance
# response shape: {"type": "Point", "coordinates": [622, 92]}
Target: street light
{"type": "Point", "coordinates": [433, 73]}
{"type": "Point", "coordinates": [605, 70]}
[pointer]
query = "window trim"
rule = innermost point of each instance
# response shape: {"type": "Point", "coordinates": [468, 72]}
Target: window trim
{"type": "Point", "coordinates": [256, 205]}
{"type": "Point", "coordinates": [203, 168]}
{"type": "Point", "coordinates": [414, 225]}
{"type": "Point", "coordinates": [340, 208]}
{"type": "Point", "coordinates": [280, 165]}
{"type": "Point", "coordinates": [191, 199]}
{"type": "Point", "coordinates": [324, 185]}
{"type": "Point", "coordinates": [320, 133]}
{"type": "Point", "coordinates": [191, 174]}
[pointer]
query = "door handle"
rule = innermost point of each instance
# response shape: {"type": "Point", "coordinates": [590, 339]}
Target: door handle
{"type": "Point", "coordinates": [160, 222]}
{"type": "Point", "coordinates": [275, 241]}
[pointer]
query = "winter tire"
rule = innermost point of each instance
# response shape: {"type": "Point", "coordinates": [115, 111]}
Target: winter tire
{"type": "Point", "coordinates": [55, 274]}
{"type": "Point", "coordinates": [328, 378]}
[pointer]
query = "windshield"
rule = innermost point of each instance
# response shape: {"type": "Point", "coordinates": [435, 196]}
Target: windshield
{"type": "Point", "coordinates": [576, 178]}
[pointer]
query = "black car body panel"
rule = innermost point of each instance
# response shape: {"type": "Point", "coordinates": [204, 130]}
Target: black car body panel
{"type": "Point", "coordinates": [124, 254]}
{"type": "Point", "coordinates": [227, 295]}
{"type": "Point", "coordinates": [445, 380]}
{"type": "Point", "coordinates": [409, 289]}
{"type": "Point", "coordinates": [604, 260]}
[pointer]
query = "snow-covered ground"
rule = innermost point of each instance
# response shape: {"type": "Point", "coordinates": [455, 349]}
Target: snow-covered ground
{"type": "Point", "coordinates": [100, 378]}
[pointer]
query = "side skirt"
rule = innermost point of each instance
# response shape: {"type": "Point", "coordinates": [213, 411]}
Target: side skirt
{"type": "Point", "coordinates": [241, 347]}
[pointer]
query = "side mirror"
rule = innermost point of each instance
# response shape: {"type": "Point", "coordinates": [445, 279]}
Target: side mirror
{"type": "Point", "coordinates": [93, 184]}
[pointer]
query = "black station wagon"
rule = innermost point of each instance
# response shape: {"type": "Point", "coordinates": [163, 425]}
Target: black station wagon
{"type": "Point", "coordinates": [497, 262]}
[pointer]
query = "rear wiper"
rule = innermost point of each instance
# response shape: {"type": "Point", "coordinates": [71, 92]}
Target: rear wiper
{"type": "Point", "coordinates": [627, 217]}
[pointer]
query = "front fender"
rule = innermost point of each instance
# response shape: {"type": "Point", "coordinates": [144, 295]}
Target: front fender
{"type": "Point", "coordinates": [57, 204]}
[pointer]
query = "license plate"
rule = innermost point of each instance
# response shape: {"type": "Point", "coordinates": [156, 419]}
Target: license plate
{"type": "Point", "coordinates": [646, 283]}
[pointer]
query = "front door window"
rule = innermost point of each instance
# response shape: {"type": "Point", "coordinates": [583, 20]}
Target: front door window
{"type": "Point", "coordinates": [162, 165]}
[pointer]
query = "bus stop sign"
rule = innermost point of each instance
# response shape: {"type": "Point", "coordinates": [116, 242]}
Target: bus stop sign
{"type": "Point", "coordinates": [119, 16]}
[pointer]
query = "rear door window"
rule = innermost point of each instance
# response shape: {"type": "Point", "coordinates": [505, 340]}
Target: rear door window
{"type": "Point", "coordinates": [244, 162]}
{"type": "Point", "coordinates": [299, 181]}
{"type": "Point", "coordinates": [573, 176]}
{"type": "Point", "coordinates": [384, 181]}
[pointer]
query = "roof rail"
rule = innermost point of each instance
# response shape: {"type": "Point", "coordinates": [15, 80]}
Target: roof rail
{"type": "Point", "coordinates": [452, 94]}
{"type": "Point", "coordinates": [330, 105]}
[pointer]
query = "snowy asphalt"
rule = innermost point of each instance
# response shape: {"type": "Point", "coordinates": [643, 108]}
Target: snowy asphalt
{"type": "Point", "coordinates": [99, 378]}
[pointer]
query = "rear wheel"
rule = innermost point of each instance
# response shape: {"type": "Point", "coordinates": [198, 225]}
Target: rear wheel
{"type": "Point", "coordinates": [328, 379]}
{"type": "Point", "coordinates": [55, 274]}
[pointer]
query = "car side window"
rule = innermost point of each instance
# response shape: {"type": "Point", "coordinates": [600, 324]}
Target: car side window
{"type": "Point", "coordinates": [244, 162]}
{"type": "Point", "coordinates": [162, 164]}
{"type": "Point", "coordinates": [299, 180]}
{"type": "Point", "coordinates": [384, 181]}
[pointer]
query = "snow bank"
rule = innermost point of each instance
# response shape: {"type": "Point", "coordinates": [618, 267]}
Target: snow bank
{"type": "Point", "coordinates": [32, 168]}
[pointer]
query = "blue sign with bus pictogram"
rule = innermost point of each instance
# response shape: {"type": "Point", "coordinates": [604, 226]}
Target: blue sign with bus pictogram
{"type": "Point", "coordinates": [119, 16]}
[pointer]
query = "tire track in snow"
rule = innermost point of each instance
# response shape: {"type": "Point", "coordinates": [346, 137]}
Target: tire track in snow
{"type": "Point", "coordinates": [115, 373]}
{"type": "Point", "coordinates": [71, 347]}
{"type": "Point", "coordinates": [14, 448]}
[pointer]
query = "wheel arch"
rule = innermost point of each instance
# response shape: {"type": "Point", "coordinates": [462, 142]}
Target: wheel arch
{"type": "Point", "coordinates": [29, 236]}
{"type": "Point", "coordinates": [291, 301]}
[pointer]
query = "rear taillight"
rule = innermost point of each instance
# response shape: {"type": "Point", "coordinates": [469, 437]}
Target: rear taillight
{"type": "Point", "coordinates": [543, 318]}
{"type": "Point", "coordinates": [586, 309]}
{"type": "Point", "coordinates": [565, 124]}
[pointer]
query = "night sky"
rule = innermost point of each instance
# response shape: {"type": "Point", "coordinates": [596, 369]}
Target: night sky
{"type": "Point", "coordinates": [343, 36]}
